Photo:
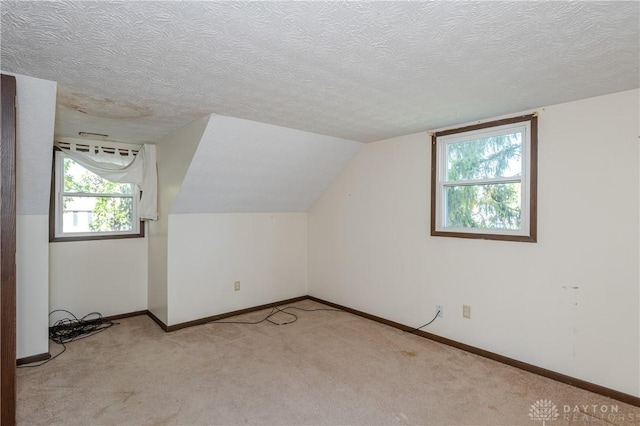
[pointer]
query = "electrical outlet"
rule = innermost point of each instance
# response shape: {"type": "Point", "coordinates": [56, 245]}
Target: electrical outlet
{"type": "Point", "coordinates": [466, 311]}
{"type": "Point", "coordinates": [236, 286]}
{"type": "Point", "coordinates": [439, 310]}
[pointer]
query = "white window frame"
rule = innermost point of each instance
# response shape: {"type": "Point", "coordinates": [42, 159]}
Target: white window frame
{"type": "Point", "coordinates": [527, 125]}
{"type": "Point", "coordinates": [58, 204]}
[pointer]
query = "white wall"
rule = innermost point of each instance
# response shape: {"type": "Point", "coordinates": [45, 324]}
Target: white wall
{"type": "Point", "coordinates": [218, 231]}
{"type": "Point", "coordinates": [35, 117]}
{"type": "Point", "coordinates": [174, 154]}
{"type": "Point", "coordinates": [266, 252]}
{"type": "Point", "coordinates": [246, 166]}
{"type": "Point", "coordinates": [105, 276]}
{"type": "Point", "coordinates": [370, 249]}
{"type": "Point", "coordinates": [32, 285]}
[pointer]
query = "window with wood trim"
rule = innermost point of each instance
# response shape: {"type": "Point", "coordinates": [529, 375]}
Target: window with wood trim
{"type": "Point", "coordinates": [483, 180]}
{"type": "Point", "coordinates": [85, 206]}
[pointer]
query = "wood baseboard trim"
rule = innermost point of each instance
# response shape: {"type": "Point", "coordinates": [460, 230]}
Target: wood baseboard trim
{"type": "Point", "coordinates": [33, 358]}
{"type": "Point", "coordinates": [45, 356]}
{"type": "Point", "coordinates": [231, 314]}
{"type": "Point", "coordinates": [126, 315]}
{"type": "Point", "coordinates": [563, 378]}
{"type": "Point", "coordinates": [157, 320]}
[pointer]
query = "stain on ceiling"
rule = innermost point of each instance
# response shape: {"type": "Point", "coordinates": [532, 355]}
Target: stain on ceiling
{"type": "Point", "coordinates": [362, 71]}
{"type": "Point", "coordinates": [100, 107]}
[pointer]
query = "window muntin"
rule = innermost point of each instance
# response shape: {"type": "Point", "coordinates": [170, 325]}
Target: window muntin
{"type": "Point", "coordinates": [483, 180]}
{"type": "Point", "coordinates": [87, 206]}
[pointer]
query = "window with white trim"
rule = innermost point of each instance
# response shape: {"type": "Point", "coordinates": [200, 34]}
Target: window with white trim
{"type": "Point", "coordinates": [86, 206]}
{"type": "Point", "coordinates": [483, 180]}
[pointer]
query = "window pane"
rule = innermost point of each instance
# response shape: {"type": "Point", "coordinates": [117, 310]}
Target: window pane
{"type": "Point", "coordinates": [97, 214]}
{"type": "Point", "coordinates": [485, 158]}
{"type": "Point", "coordinates": [494, 206]}
{"type": "Point", "coordinates": [79, 179]}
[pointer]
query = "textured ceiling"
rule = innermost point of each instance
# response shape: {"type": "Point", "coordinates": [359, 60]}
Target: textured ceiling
{"type": "Point", "coordinates": [357, 70]}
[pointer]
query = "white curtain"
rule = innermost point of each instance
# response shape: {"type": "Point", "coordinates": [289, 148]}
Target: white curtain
{"type": "Point", "coordinates": [140, 169]}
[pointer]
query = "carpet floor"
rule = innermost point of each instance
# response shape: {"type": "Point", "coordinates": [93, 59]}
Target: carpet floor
{"type": "Point", "coordinates": [330, 368]}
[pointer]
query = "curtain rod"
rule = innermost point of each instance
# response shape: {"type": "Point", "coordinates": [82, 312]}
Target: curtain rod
{"type": "Point", "coordinates": [86, 147]}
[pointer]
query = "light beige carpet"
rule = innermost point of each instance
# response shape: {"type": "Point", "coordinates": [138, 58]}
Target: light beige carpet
{"type": "Point", "coordinates": [329, 368]}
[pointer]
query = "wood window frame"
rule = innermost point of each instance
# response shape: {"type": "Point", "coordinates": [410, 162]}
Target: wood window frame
{"type": "Point", "coordinates": [532, 181]}
{"type": "Point", "coordinates": [52, 217]}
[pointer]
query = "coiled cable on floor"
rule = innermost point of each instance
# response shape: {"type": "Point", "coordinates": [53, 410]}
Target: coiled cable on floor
{"type": "Point", "coordinates": [67, 330]}
{"type": "Point", "coordinates": [72, 328]}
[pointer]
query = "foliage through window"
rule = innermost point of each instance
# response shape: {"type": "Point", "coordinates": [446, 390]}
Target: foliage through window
{"type": "Point", "coordinates": [484, 180]}
{"type": "Point", "coordinates": [87, 206]}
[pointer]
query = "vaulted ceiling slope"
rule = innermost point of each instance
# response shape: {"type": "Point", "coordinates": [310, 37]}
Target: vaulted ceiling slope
{"type": "Point", "coordinates": [356, 70]}
{"type": "Point", "coordinates": [246, 166]}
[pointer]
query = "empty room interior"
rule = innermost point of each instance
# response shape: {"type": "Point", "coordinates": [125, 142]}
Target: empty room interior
{"type": "Point", "coordinates": [320, 212]}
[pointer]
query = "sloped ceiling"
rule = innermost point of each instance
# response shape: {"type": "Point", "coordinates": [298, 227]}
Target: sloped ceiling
{"type": "Point", "coordinates": [246, 166]}
{"type": "Point", "coordinates": [364, 71]}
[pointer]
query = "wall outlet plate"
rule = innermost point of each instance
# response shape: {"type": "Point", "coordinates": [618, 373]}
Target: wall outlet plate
{"type": "Point", "coordinates": [466, 311]}
{"type": "Point", "coordinates": [439, 310]}
{"type": "Point", "coordinates": [236, 286]}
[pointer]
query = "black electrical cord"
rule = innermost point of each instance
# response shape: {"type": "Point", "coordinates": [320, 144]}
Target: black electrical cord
{"type": "Point", "coordinates": [64, 348]}
{"type": "Point", "coordinates": [313, 310]}
{"type": "Point", "coordinates": [67, 330]}
{"type": "Point", "coordinates": [70, 329]}
{"type": "Point", "coordinates": [274, 311]}
{"type": "Point", "coordinates": [422, 326]}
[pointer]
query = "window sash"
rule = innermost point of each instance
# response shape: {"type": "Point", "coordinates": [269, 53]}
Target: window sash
{"type": "Point", "coordinates": [491, 230]}
{"type": "Point", "coordinates": [96, 194]}
{"type": "Point", "coordinates": [59, 205]}
{"type": "Point", "coordinates": [524, 179]}
{"type": "Point", "coordinates": [115, 164]}
{"type": "Point", "coordinates": [483, 181]}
